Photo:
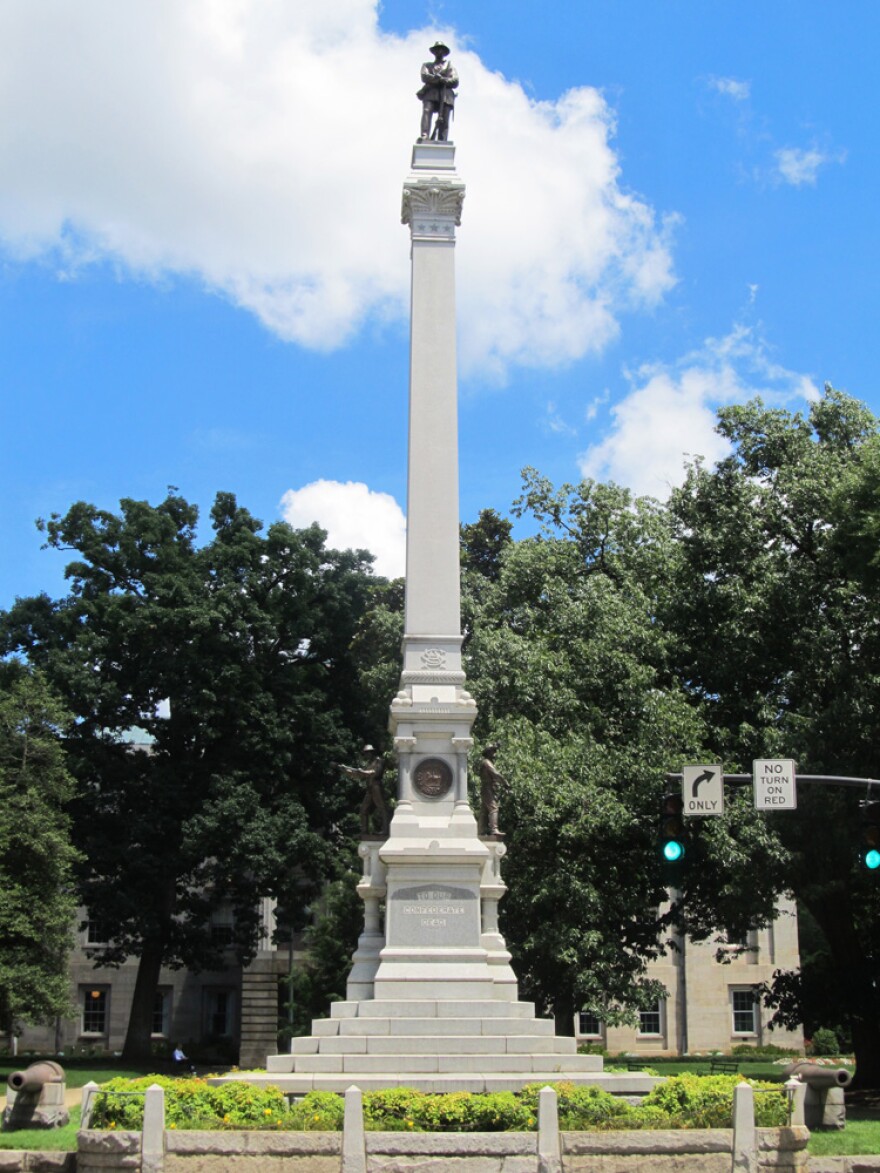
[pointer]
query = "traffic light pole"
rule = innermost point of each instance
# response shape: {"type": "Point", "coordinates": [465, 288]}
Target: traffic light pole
{"type": "Point", "coordinates": [808, 779]}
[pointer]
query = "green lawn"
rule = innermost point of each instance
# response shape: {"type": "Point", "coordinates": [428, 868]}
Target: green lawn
{"type": "Point", "coordinates": [860, 1137]}
{"type": "Point", "coordinates": [44, 1138]}
{"type": "Point", "coordinates": [751, 1068]}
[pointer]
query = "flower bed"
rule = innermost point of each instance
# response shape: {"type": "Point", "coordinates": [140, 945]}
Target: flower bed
{"type": "Point", "coordinates": [682, 1101]}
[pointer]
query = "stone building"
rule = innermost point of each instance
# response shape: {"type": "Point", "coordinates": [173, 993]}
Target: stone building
{"type": "Point", "coordinates": [710, 1003]}
{"type": "Point", "coordinates": [232, 1013]}
{"type": "Point", "coordinates": [229, 1015]}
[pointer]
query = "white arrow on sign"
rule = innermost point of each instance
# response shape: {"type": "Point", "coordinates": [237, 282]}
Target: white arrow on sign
{"type": "Point", "coordinates": [775, 784]}
{"type": "Point", "coordinates": [702, 791]}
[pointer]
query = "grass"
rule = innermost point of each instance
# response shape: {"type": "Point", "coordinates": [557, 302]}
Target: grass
{"type": "Point", "coordinates": [81, 1071]}
{"type": "Point", "coordinates": [751, 1068]}
{"type": "Point", "coordinates": [46, 1139]}
{"type": "Point", "coordinates": [860, 1137]}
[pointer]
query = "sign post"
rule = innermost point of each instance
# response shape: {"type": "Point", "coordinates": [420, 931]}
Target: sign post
{"type": "Point", "coordinates": [702, 791]}
{"type": "Point", "coordinates": [775, 784]}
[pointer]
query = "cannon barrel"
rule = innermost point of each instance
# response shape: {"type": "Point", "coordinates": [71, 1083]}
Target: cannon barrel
{"type": "Point", "coordinates": [34, 1077]}
{"type": "Point", "coordinates": [818, 1077]}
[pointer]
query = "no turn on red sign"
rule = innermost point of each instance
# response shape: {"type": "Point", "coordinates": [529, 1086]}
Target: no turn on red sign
{"type": "Point", "coordinates": [775, 784]}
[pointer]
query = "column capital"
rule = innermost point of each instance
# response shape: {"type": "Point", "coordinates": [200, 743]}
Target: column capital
{"type": "Point", "coordinates": [432, 207]}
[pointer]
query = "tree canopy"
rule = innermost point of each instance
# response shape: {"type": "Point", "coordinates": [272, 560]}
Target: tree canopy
{"type": "Point", "coordinates": [232, 658]}
{"type": "Point", "coordinates": [37, 899]}
{"type": "Point", "coordinates": [776, 621]}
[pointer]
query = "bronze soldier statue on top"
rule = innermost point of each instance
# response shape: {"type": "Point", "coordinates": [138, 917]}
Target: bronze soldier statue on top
{"type": "Point", "coordinates": [373, 796]}
{"type": "Point", "coordinates": [439, 83]}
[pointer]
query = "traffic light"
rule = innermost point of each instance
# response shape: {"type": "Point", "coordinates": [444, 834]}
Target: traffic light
{"type": "Point", "coordinates": [869, 820]}
{"type": "Point", "coordinates": [672, 827]}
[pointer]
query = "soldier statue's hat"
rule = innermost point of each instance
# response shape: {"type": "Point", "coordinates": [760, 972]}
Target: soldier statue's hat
{"type": "Point", "coordinates": [439, 45]}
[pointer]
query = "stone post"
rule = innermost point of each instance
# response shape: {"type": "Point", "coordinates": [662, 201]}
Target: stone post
{"type": "Point", "coordinates": [745, 1141]}
{"type": "Point", "coordinates": [797, 1092]}
{"type": "Point", "coordinates": [89, 1091]}
{"type": "Point", "coordinates": [153, 1136]}
{"type": "Point", "coordinates": [549, 1149]}
{"type": "Point", "coordinates": [354, 1145]}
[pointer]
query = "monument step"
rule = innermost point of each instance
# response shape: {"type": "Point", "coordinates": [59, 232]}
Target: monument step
{"type": "Point", "coordinates": [451, 1027]}
{"type": "Point", "coordinates": [444, 1063]}
{"type": "Point", "coordinates": [460, 1044]}
{"type": "Point", "coordinates": [433, 1008]}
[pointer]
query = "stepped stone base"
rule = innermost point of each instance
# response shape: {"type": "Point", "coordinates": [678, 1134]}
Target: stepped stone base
{"type": "Point", "coordinates": [437, 1045]}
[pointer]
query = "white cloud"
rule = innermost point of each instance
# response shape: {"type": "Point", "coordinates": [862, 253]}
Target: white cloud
{"type": "Point", "coordinates": [740, 91]}
{"type": "Point", "coordinates": [799, 166]}
{"type": "Point", "coordinates": [258, 146]}
{"type": "Point", "coordinates": [355, 518]}
{"type": "Point", "coordinates": [669, 412]}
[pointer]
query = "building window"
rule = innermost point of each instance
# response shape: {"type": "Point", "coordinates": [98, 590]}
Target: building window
{"type": "Point", "coordinates": [589, 1025]}
{"type": "Point", "coordinates": [162, 1012]}
{"type": "Point", "coordinates": [97, 932]}
{"type": "Point", "coordinates": [651, 1020]}
{"type": "Point", "coordinates": [222, 928]}
{"type": "Point", "coordinates": [94, 1000]}
{"type": "Point", "coordinates": [221, 935]}
{"type": "Point", "coordinates": [743, 1006]}
{"type": "Point", "coordinates": [219, 1005]}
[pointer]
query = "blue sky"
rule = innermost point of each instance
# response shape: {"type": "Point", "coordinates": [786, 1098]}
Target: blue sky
{"type": "Point", "coordinates": [203, 278]}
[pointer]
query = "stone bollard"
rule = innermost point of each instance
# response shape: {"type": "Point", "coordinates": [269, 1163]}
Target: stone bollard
{"type": "Point", "coordinates": [797, 1093]}
{"type": "Point", "coordinates": [745, 1141]}
{"type": "Point", "coordinates": [549, 1151]}
{"type": "Point", "coordinates": [89, 1091]}
{"type": "Point", "coordinates": [354, 1145]}
{"type": "Point", "coordinates": [153, 1135]}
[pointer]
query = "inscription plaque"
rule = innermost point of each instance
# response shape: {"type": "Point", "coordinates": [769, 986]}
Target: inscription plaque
{"type": "Point", "coordinates": [434, 914]}
{"type": "Point", "coordinates": [432, 778]}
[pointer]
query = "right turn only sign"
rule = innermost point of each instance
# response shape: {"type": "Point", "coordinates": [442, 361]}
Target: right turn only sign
{"type": "Point", "coordinates": [775, 786]}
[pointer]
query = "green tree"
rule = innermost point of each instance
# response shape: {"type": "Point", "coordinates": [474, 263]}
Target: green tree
{"type": "Point", "coordinates": [569, 672]}
{"type": "Point", "coordinates": [233, 657]}
{"type": "Point", "coordinates": [778, 625]}
{"type": "Point", "coordinates": [328, 943]}
{"type": "Point", "coordinates": [37, 902]}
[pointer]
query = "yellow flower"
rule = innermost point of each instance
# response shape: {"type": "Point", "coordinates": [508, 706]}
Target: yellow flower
{"type": "Point", "coordinates": [172, 1125]}
{"type": "Point", "coordinates": [267, 1111]}
{"type": "Point", "coordinates": [316, 1117]}
{"type": "Point", "coordinates": [112, 1123]}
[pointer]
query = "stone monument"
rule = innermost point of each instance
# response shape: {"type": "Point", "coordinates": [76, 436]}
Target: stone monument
{"type": "Point", "coordinates": [431, 999]}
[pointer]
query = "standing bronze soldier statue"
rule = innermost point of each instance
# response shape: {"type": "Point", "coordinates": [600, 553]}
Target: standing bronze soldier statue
{"type": "Point", "coordinates": [373, 796]}
{"type": "Point", "coordinates": [491, 785]}
{"type": "Point", "coordinates": [439, 83]}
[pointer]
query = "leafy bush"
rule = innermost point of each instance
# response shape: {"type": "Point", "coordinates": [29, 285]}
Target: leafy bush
{"type": "Point", "coordinates": [317, 1112]}
{"type": "Point", "coordinates": [593, 1049]}
{"type": "Point", "coordinates": [191, 1103]}
{"type": "Point", "coordinates": [706, 1101]}
{"type": "Point", "coordinates": [763, 1051]}
{"type": "Point", "coordinates": [824, 1042]}
{"type": "Point", "coordinates": [404, 1109]}
{"type": "Point", "coordinates": [683, 1101]}
{"type": "Point", "coordinates": [581, 1107]}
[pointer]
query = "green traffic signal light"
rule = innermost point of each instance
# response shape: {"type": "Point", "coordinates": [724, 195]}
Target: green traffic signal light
{"type": "Point", "coordinates": [673, 851]}
{"type": "Point", "coordinates": [869, 820]}
{"type": "Point", "coordinates": [672, 827]}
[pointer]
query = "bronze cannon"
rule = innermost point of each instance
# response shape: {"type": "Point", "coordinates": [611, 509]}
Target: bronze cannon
{"type": "Point", "coordinates": [35, 1097]}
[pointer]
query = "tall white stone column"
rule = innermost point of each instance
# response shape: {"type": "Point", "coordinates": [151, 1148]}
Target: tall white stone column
{"type": "Point", "coordinates": [434, 861]}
